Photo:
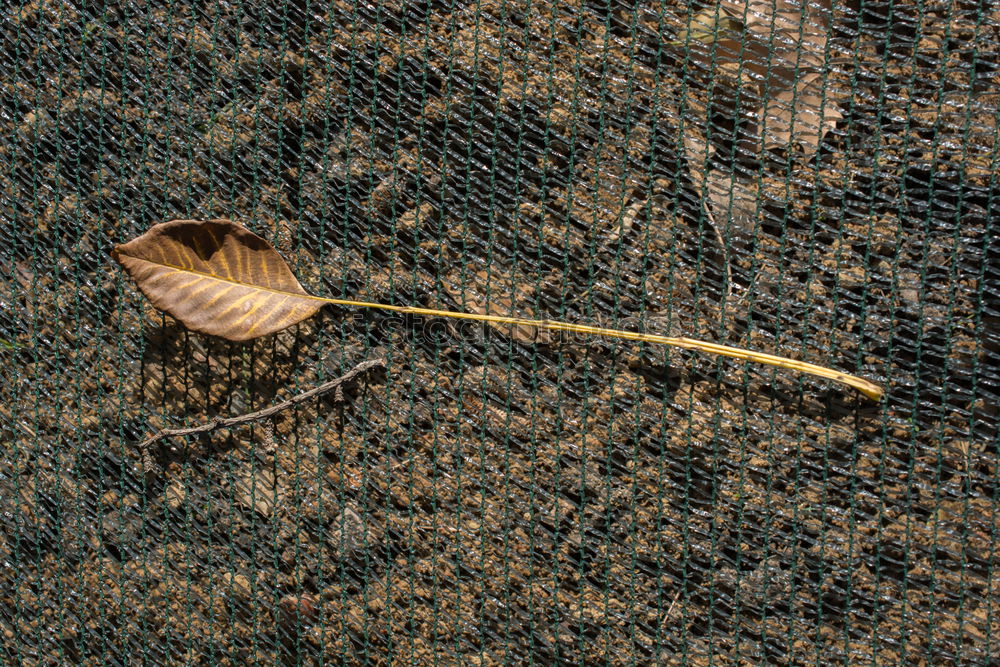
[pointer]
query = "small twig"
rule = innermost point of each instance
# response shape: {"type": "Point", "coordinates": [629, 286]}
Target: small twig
{"type": "Point", "coordinates": [674, 603]}
{"type": "Point", "coordinates": [215, 424]}
{"type": "Point", "coordinates": [26, 429]}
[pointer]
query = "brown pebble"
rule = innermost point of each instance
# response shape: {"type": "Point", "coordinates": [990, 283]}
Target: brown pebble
{"type": "Point", "coordinates": [297, 609]}
{"type": "Point", "coordinates": [237, 585]}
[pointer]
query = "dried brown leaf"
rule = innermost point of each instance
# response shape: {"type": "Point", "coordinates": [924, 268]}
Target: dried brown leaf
{"type": "Point", "coordinates": [216, 277]}
{"type": "Point", "coordinates": [221, 279]}
{"type": "Point", "coordinates": [760, 35]}
{"type": "Point", "coordinates": [799, 115]}
{"type": "Point", "coordinates": [732, 200]}
{"type": "Point", "coordinates": [795, 30]}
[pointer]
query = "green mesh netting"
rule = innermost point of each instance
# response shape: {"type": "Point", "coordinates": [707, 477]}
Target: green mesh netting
{"type": "Point", "coordinates": [817, 182]}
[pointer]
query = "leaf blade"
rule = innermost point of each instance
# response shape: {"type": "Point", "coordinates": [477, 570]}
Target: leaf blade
{"type": "Point", "coordinates": [801, 115]}
{"type": "Point", "coordinates": [216, 277]}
